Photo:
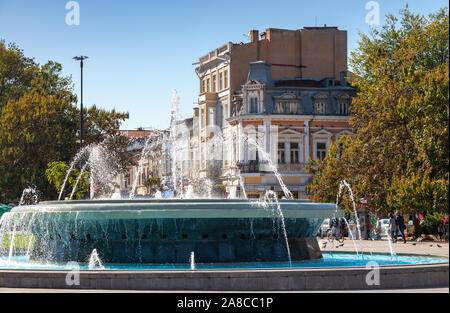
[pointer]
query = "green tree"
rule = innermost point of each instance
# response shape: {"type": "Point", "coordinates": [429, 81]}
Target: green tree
{"type": "Point", "coordinates": [398, 158]}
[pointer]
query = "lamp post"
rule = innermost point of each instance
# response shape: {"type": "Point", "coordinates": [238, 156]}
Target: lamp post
{"type": "Point", "coordinates": [81, 59]}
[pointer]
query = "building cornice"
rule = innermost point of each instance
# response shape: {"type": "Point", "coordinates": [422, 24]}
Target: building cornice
{"type": "Point", "coordinates": [282, 117]}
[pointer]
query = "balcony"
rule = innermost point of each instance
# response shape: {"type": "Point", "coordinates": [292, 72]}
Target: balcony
{"type": "Point", "coordinates": [248, 167]}
{"type": "Point", "coordinates": [207, 96]}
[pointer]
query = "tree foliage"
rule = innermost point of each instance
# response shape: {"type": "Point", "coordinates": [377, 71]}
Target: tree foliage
{"type": "Point", "coordinates": [399, 156]}
{"type": "Point", "coordinates": [16, 73]}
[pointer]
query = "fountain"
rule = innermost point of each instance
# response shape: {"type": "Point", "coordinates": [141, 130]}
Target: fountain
{"type": "Point", "coordinates": [165, 231]}
{"type": "Point", "coordinates": [190, 241]}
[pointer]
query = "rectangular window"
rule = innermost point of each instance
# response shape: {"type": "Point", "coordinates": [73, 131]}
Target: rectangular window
{"type": "Point", "coordinates": [295, 152]}
{"type": "Point", "coordinates": [343, 107]}
{"type": "Point", "coordinates": [202, 118]}
{"type": "Point", "coordinates": [225, 79]}
{"type": "Point", "coordinates": [320, 107]}
{"type": "Point", "coordinates": [281, 153]}
{"type": "Point", "coordinates": [253, 105]}
{"type": "Point", "coordinates": [214, 83]}
{"type": "Point", "coordinates": [212, 117]}
{"type": "Point", "coordinates": [321, 149]}
{"type": "Point", "coordinates": [208, 85]}
{"type": "Point", "coordinates": [293, 108]}
{"type": "Point", "coordinates": [220, 81]}
{"type": "Point", "coordinates": [280, 107]}
{"type": "Point", "coordinates": [203, 85]}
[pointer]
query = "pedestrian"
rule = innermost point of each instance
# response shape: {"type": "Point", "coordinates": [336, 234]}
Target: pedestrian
{"type": "Point", "coordinates": [441, 230]}
{"type": "Point", "coordinates": [400, 227]}
{"type": "Point", "coordinates": [446, 230]}
{"type": "Point", "coordinates": [392, 227]}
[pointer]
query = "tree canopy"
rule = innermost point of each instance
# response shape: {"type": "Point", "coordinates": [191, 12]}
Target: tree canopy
{"type": "Point", "coordinates": [398, 157]}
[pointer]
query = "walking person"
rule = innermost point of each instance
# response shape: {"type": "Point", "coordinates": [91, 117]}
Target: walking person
{"type": "Point", "coordinates": [441, 230]}
{"type": "Point", "coordinates": [400, 227]}
{"type": "Point", "coordinates": [392, 227]}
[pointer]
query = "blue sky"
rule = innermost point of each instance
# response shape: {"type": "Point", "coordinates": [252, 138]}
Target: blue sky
{"type": "Point", "coordinates": [141, 50]}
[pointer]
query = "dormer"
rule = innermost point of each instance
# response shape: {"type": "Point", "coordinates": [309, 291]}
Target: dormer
{"type": "Point", "coordinates": [253, 97]}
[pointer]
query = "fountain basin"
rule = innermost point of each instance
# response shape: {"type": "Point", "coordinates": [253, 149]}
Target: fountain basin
{"type": "Point", "coordinates": [167, 231]}
{"type": "Point", "coordinates": [341, 271]}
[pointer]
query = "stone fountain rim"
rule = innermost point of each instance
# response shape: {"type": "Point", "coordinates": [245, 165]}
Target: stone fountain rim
{"type": "Point", "coordinates": [325, 278]}
{"type": "Point", "coordinates": [205, 208]}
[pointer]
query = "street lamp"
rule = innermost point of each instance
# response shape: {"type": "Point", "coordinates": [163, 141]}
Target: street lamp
{"type": "Point", "coordinates": [81, 59]}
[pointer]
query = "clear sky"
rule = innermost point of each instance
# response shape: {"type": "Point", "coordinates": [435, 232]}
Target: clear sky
{"type": "Point", "coordinates": [140, 50]}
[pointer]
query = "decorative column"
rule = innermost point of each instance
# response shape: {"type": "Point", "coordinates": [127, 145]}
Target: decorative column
{"type": "Point", "coordinates": [307, 141]}
{"type": "Point", "coordinates": [267, 125]}
{"type": "Point", "coordinates": [287, 149]}
{"type": "Point", "coordinates": [240, 143]}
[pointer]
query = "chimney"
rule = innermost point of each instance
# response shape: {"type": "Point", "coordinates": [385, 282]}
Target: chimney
{"type": "Point", "coordinates": [254, 34]}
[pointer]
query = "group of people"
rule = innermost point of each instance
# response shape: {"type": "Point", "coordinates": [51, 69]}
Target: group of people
{"type": "Point", "coordinates": [396, 225]}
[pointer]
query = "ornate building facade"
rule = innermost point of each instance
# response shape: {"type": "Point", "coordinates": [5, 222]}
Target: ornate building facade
{"type": "Point", "coordinates": [287, 91]}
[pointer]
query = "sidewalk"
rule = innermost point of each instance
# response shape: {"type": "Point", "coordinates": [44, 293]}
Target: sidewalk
{"type": "Point", "coordinates": [382, 246]}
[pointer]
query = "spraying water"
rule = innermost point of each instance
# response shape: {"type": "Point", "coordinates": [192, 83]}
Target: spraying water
{"type": "Point", "coordinates": [192, 261]}
{"type": "Point", "coordinates": [30, 195]}
{"type": "Point", "coordinates": [83, 169]}
{"type": "Point", "coordinates": [95, 262]}
{"type": "Point", "coordinates": [391, 249]}
{"type": "Point", "coordinates": [77, 158]}
{"type": "Point", "coordinates": [103, 164]}
{"type": "Point", "coordinates": [358, 225]}
{"type": "Point", "coordinates": [270, 201]}
{"type": "Point", "coordinates": [153, 141]}
{"type": "Point", "coordinates": [287, 193]}
{"type": "Point", "coordinates": [241, 183]}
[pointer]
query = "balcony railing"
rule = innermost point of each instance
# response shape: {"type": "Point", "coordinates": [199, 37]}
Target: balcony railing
{"type": "Point", "coordinates": [262, 166]}
{"type": "Point", "coordinates": [249, 167]}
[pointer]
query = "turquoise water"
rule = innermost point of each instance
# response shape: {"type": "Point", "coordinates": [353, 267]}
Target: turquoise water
{"type": "Point", "coordinates": [329, 260]}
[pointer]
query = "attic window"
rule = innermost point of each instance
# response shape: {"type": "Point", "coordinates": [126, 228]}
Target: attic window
{"type": "Point", "coordinates": [320, 107]}
{"type": "Point", "coordinates": [253, 105]}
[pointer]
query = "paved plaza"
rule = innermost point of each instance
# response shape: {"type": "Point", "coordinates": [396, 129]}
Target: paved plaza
{"type": "Point", "coordinates": [382, 246]}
